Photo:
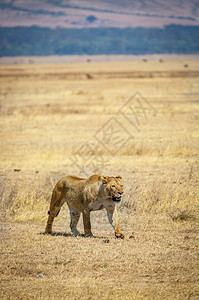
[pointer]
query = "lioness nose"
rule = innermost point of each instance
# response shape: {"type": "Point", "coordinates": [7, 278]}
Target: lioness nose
{"type": "Point", "coordinates": [120, 193]}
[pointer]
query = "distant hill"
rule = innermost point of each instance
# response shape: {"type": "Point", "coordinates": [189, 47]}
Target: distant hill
{"type": "Point", "coordinates": [58, 27]}
{"type": "Point", "coordinates": [46, 41]}
{"type": "Point", "coordinates": [98, 13]}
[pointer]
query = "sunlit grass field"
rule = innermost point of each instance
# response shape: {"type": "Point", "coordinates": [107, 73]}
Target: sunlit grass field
{"type": "Point", "coordinates": [139, 120]}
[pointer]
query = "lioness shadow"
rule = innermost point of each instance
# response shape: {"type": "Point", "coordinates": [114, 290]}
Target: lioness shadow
{"type": "Point", "coordinates": [58, 234]}
{"type": "Point", "coordinates": [71, 235]}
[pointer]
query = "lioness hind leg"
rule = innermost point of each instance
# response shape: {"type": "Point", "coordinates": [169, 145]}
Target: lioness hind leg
{"type": "Point", "coordinates": [87, 223]}
{"type": "Point", "coordinates": [56, 203]}
{"type": "Point", "coordinates": [74, 215]}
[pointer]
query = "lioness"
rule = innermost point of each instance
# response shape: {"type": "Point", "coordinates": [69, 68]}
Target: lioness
{"type": "Point", "coordinates": [86, 195]}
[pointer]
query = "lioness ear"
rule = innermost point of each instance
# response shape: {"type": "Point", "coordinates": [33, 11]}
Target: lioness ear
{"type": "Point", "coordinates": [104, 179]}
{"type": "Point", "coordinates": [119, 177]}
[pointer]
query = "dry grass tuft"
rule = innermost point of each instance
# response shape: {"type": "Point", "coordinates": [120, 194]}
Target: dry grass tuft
{"type": "Point", "coordinates": [183, 216]}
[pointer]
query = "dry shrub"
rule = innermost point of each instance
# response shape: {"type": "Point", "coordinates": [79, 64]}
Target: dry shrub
{"type": "Point", "coordinates": [25, 205]}
{"type": "Point", "coordinates": [29, 205]}
{"type": "Point", "coordinates": [26, 197]}
{"type": "Point", "coordinates": [183, 216]}
{"type": "Point", "coordinates": [155, 196]}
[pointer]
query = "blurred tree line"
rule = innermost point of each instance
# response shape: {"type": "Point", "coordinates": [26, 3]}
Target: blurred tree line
{"type": "Point", "coordinates": [61, 41]}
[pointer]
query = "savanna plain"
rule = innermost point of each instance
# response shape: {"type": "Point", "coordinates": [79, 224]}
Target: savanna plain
{"type": "Point", "coordinates": [138, 120]}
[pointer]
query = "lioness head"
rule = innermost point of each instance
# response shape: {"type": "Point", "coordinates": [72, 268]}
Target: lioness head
{"type": "Point", "coordinates": [113, 187]}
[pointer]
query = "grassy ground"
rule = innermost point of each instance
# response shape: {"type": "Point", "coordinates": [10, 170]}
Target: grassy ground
{"type": "Point", "coordinates": [66, 119]}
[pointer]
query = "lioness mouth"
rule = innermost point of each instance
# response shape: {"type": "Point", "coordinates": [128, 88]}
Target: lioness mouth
{"type": "Point", "coordinates": [116, 199]}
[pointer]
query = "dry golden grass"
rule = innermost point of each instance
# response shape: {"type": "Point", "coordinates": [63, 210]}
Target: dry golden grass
{"type": "Point", "coordinates": [160, 262]}
{"type": "Point", "coordinates": [47, 113]}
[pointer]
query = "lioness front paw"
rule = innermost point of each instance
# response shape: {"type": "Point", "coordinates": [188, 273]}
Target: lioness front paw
{"type": "Point", "coordinates": [88, 234]}
{"type": "Point", "coordinates": [119, 235]}
{"type": "Point", "coordinates": [48, 229]}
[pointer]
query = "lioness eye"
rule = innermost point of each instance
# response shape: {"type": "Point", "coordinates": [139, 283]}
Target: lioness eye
{"type": "Point", "coordinates": [113, 185]}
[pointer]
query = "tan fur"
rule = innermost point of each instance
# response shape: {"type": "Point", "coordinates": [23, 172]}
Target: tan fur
{"type": "Point", "coordinates": [86, 195]}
